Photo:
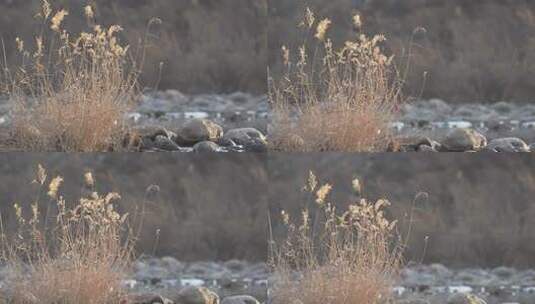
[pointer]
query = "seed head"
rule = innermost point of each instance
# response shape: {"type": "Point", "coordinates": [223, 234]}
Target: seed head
{"type": "Point", "coordinates": [88, 11]}
{"type": "Point", "coordinates": [54, 187]}
{"type": "Point", "coordinates": [357, 21]}
{"type": "Point", "coordinates": [322, 28]}
{"type": "Point", "coordinates": [20, 44]}
{"type": "Point", "coordinates": [309, 18]}
{"type": "Point", "coordinates": [356, 186]}
{"type": "Point", "coordinates": [322, 193]}
{"type": "Point", "coordinates": [57, 19]}
{"type": "Point", "coordinates": [89, 181]}
{"type": "Point", "coordinates": [45, 9]}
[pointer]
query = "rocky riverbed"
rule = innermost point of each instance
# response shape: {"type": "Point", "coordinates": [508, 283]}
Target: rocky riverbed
{"type": "Point", "coordinates": [238, 122]}
{"type": "Point", "coordinates": [191, 283]}
{"type": "Point", "coordinates": [438, 284]}
{"type": "Point", "coordinates": [436, 126]}
{"type": "Point", "coordinates": [175, 122]}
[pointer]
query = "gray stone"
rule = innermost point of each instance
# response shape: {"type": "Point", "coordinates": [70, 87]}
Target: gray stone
{"type": "Point", "coordinates": [424, 144]}
{"type": "Point", "coordinates": [464, 139]}
{"type": "Point", "coordinates": [206, 146]}
{"type": "Point", "coordinates": [504, 272]}
{"type": "Point", "coordinates": [240, 300]}
{"type": "Point", "coordinates": [176, 96]}
{"type": "Point", "coordinates": [252, 139]}
{"type": "Point", "coordinates": [499, 126]}
{"type": "Point", "coordinates": [197, 130]}
{"type": "Point", "coordinates": [473, 277]}
{"type": "Point", "coordinates": [439, 106]}
{"type": "Point", "coordinates": [235, 265]}
{"type": "Point", "coordinates": [172, 264]}
{"type": "Point", "coordinates": [508, 144]}
{"type": "Point", "coordinates": [163, 132]}
{"type": "Point", "coordinates": [440, 271]}
{"type": "Point", "coordinates": [204, 269]}
{"type": "Point", "coordinates": [195, 295]}
{"type": "Point", "coordinates": [503, 107]}
{"type": "Point", "coordinates": [226, 142]}
{"type": "Point", "coordinates": [425, 148]}
{"type": "Point", "coordinates": [240, 97]}
{"type": "Point", "coordinates": [163, 143]}
{"type": "Point", "coordinates": [475, 112]}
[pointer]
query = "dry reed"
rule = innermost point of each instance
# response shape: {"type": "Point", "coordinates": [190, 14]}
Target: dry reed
{"type": "Point", "coordinates": [71, 92]}
{"type": "Point", "coordinates": [334, 98]}
{"type": "Point", "coordinates": [79, 255]}
{"type": "Point", "coordinates": [336, 257]}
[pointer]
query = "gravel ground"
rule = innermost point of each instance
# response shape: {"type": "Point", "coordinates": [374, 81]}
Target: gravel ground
{"type": "Point", "coordinates": [438, 284]}
{"type": "Point", "coordinates": [167, 277]}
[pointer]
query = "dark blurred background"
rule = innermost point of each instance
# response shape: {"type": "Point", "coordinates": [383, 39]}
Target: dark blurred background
{"type": "Point", "coordinates": [206, 46]}
{"type": "Point", "coordinates": [474, 51]}
{"type": "Point", "coordinates": [479, 209]}
{"type": "Point", "coordinates": [208, 207]}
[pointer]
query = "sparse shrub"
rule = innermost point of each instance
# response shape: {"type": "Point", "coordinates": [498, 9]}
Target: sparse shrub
{"type": "Point", "coordinates": [330, 256]}
{"type": "Point", "coordinates": [79, 255]}
{"type": "Point", "coordinates": [339, 99]}
{"type": "Point", "coordinates": [71, 92]}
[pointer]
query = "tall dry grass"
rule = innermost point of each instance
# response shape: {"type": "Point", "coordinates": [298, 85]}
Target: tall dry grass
{"type": "Point", "coordinates": [331, 256]}
{"type": "Point", "coordinates": [458, 53]}
{"type": "Point", "coordinates": [66, 253]}
{"type": "Point", "coordinates": [204, 48]}
{"type": "Point", "coordinates": [334, 98]}
{"type": "Point", "coordinates": [70, 92]}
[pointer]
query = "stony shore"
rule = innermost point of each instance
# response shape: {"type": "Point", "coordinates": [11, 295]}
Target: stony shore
{"type": "Point", "coordinates": [174, 122]}
{"type": "Point", "coordinates": [239, 122]}
{"type": "Point", "coordinates": [241, 282]}
{"type": "Point", "coordinates": [436, 126]}
{"type": "Point", "coordinates": [438, 284]}
{"type": "Point", "coordinates": [233, 282]}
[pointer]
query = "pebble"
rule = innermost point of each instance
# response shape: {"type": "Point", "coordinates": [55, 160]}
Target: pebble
{"type": "Point", "coordinates": [164, 143]}
{"type": "Point", "coordinates": [206, 146]}
{"type": "Point", "coordinates": [195, 295]}
{"type": "Point", "coordinates": [508, 144]}
{"type": "Point", "coordinates": [250, 138]}
{"type": "Point", "coordinates": [464, 139]}
{"type": "Point", "coordinates": [197, 130]}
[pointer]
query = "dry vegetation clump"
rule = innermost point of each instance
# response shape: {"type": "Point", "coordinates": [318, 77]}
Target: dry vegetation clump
{"type": "Point", "coordinates": [458, 54]}
{"type": "Point", "coordinates": [334, 98]}
{"type": "Point", "coordinates": [330, 256]}
{"type": "Point", "coordinates": [204, 48]}
{"type": "Point", "coordinates": [78, 255]}
{"type": "Point", "coordinates": [70, 92]}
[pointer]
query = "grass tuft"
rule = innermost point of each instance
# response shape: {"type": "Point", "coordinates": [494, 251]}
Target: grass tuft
{"type": "Point", "coordinates": [79, 255]}
{"type": "Point", "coordinates": [330, 256]}
{"type": "Point", "coordinates": [339, 98]}
{"type": "Point", "coordinates": [71, 92]}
